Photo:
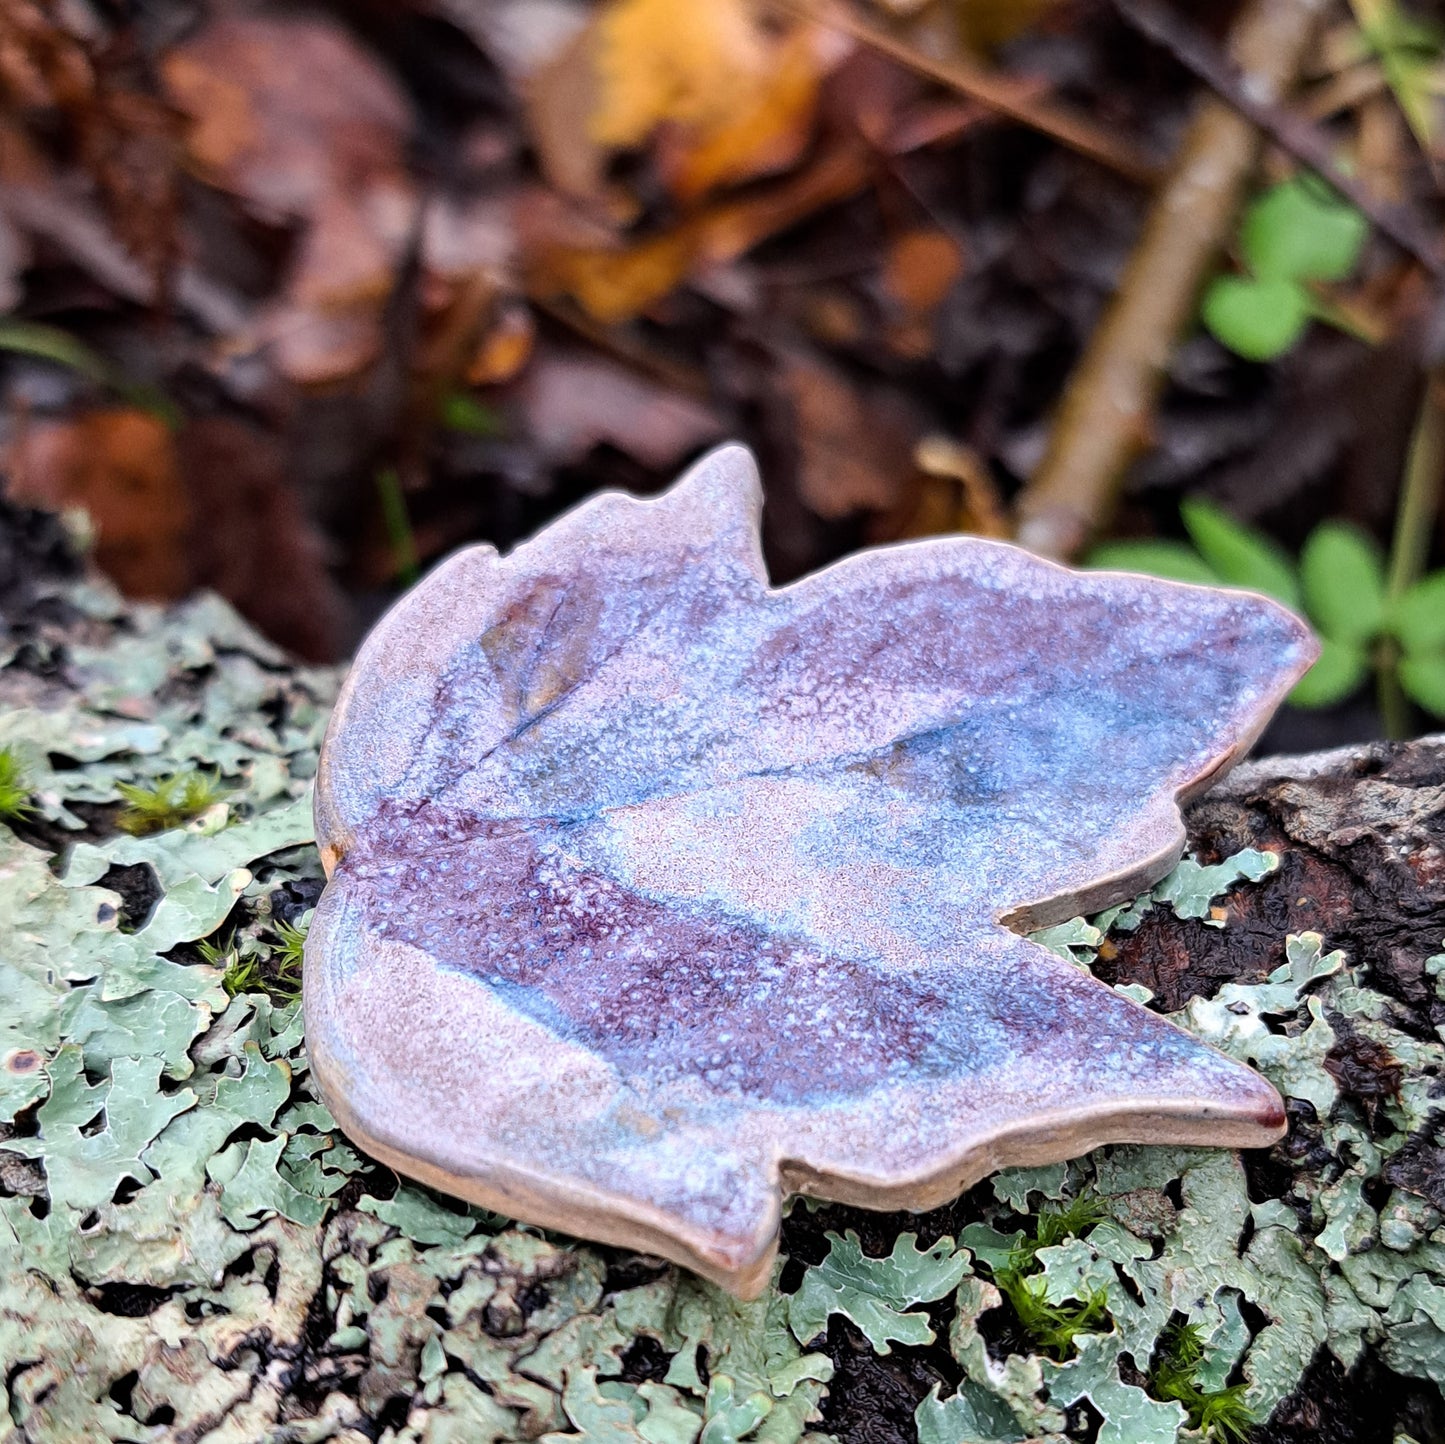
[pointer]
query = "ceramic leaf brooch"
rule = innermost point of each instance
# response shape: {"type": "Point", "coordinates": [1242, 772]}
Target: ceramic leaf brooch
{"type": "Point", "coordinates": [657, 893]}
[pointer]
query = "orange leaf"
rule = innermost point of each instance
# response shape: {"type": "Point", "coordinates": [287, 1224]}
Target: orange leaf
{"type": "Point", "coordinates": [119, 465]}
{"type": "Point", "coordinates": [723, 97]}
{"type": "Point", "coordinates": [921, 268]}
{"type": "Point", "coordinates": [615, 285]}
{"type": "Point", "coordinates": [767, 131]}
{"type": "Point", "coordinates": [692, 65]}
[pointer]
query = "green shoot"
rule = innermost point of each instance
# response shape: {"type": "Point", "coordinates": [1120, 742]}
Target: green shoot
{"type": "Point", "coordinates": [293, 940]}
{"type": "Point", "coordinates": [50, 343]}
{"type": "Point", "coordinates": [1077, 1217]}
{"type": "Point", "coordinates": [216, 954]}
{"type": "Point", "coordinates": [168, 801]}
{"type": "Point", "coordinates": [1052, 1326]}
{"type": "Point", "coordinates": [240, 972]}
{"type": "Point", "coordinates": [246, 968]}
{"type": "Point", "coordinates": [462, 412]}
{"type": "Point", "coordinates": [397, 520]}
{"type": "Point", "coordinates": [1219, 1414]}
{"type": "Point", "coordinates": [15, 787]}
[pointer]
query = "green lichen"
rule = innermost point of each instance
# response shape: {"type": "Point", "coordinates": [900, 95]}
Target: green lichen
{"type": "Point", "coordinates": [875, 1293]}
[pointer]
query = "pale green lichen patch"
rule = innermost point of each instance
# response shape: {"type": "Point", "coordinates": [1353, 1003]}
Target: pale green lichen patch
{"type": "Point", "coordinates": [190, 1249]}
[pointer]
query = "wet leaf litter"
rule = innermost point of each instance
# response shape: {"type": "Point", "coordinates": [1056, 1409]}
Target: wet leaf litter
{"type": "Point", "coordinates": [720, 872]}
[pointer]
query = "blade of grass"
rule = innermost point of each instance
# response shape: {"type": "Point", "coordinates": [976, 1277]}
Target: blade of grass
{"type": "Point", "coordinates": [1410, 547]}
{"type": "Point", "coordinates": [398, 525]}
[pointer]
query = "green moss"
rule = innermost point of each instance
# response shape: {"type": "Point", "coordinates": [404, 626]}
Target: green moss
{"type": "Point", "coordinates": [1053, 1326]}
{"type": "Point", "coordinates": [293, 943]}
{"type": "Point", "coordinates": [167, 802]}
{"type": "Point", "coordinates": [247, 966]}
{"type": "Point", "coordinates": [1220, 1414]}
{"type": "Point", "coordinates": [15, 787]}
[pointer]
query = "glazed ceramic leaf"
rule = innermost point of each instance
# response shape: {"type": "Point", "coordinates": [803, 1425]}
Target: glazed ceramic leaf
{"type": "Point", "coordinates": [656, 893]}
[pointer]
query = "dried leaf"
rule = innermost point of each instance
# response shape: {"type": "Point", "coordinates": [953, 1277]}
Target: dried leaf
{"type": "Point", "coordinates": [731, 98]}
{"type": "Point", "coordinates": [855, 445]}
{"type": "Point", "coordinates": [922, 266]}
{"type": "Point", "coordinates": [120, 466]}
{"type": "Point", "coordinates": [743, 854]}
{"type": "Point", "coordinates": [50, 63]}
{"type": "Point", "coordinates": [614, 283]}
{"type": "Point", "coordinates": [250, 528]}
{"type": "Point", "coordinates": [574, 402]}
{"type": "Point", "coordinates": [292, 116]}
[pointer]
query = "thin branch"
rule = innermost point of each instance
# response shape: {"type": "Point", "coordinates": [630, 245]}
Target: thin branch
{"type": "Point", "coordinates": [1103, 418]}
{"type": "Point", "coordinates": [1005, 95]}
{"type": "Point", "coordinates": [1295, 135]}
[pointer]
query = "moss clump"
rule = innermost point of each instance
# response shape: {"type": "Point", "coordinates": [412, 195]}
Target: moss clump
{"type": "Point", "coordinates": [1052, 1326]}
{"type": "Point", "coordinates": [1219, 1414]}
{"type": "Point", "coordinates": [167, 801]}
{"type": "Point", "coordinates": [15, 788]}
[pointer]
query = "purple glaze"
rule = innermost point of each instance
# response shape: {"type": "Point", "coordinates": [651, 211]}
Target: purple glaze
{"type": "Point", "coordinates": [715, 867]}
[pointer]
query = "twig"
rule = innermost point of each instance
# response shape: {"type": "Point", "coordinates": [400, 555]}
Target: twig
{"type": "Point", "coordinates": [1002, 94]}
{"type": "Point", "coordinates": [1292, 133]}
{"type": "Point", "coordinates": [1103, 418]}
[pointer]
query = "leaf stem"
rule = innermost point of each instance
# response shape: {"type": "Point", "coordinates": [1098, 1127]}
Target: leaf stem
{"type": "Point", "coordinates": [1390, 698]}
{"type": "Point", "coordinates": [398, 525]}
{"type": "Point", "coordinates": [1419, 493]}
{"type": "Point", "coordinates": [1410, 547]}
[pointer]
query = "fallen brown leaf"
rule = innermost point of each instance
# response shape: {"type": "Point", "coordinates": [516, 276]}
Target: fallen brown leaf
{"type": "Point", "coordinates": [919, 271]}
{"type": "Point", "coordinates": [505, 348]}
{"type": "Point", "coordinates": [977, 506]}
{"type": "Point", "coordinates": [615, 283]}
{"type": "Point", "coordinates": [724, 96]}
{"type": "Point", "coordinates": [120, 466]}
{"type": "Point", "coordinates": [855, 444]}
{"type": "Point", "coordinates": [252, 541]}
{"type": "Point", "coordinates": [921, 267]}
{"type": "Point", "coordinates": [768, 131]}
{"type": "Point", "coordinates": [572, 402]}
{"type": "Point", "coordinates": [300, 123]}
{"type": "Point", "coordinates": [89, 103]}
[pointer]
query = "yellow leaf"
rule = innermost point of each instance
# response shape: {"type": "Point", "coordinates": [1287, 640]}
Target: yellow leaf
{"type": "Point", "coordinates": [691, 64]}
{"type": "Point", "coordinates": [767, 130]}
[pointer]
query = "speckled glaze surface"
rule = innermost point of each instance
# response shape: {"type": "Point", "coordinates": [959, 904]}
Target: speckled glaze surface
{"type": "Point", "coordinates": [656, 893]}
